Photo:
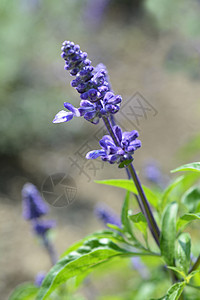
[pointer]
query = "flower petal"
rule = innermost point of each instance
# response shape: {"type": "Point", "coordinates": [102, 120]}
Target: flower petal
{"type": "Point", "coordinates": [63, 116]}
{"type": "Point", "coordinates": [94, 154]}
{"type": "Point", "coordinates": [73, 109]}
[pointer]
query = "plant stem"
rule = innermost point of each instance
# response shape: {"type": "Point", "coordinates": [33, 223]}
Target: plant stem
{"type": "Point", "coordinates": [196, 264]}
{"type": "Point", "coordinates": [50, 249]}
{"type": "Point", "coordinates": [142, 200]}
{"type": "Point", "coordinates": [145, 205]}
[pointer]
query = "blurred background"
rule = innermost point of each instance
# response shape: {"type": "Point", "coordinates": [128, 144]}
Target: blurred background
{"type": "Point", "coordinates": [152, 51]}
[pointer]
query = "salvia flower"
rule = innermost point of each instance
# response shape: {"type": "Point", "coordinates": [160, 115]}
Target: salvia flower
{"type": "Point", "coordinates": [33, 204]}
{"type": "Point", "coordinates": [127, 144]}
{"type": "Point", "coordinates": [40, 227]}
{"type": "Point", "coordinates": [106, 215]}
{"type": "Point", "coordinates": [92, 84]}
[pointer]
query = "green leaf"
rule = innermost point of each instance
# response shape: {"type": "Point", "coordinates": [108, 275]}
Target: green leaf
{"type": "Point", "coordinates": [25, 291]}
{"type": "Point", "coordinates": [92, 253]}
{"type": "Point", "coordinates": [184, 220]}
{"type": "Point", "coordinates": [140, 223]}
{"type": "Point", "coordinates": [183, 252]}
{"type": "Point", "coordinates": [181, 273]}
{"type": "Point", "coordinates": [168, 233]}
{"type": "Point", "coordinates": [195, 167]}
{"type": "Point", "coordinates": [166, 194]}
{"type": "Point", "coordinates": [112, 235]}
{"type": "Point", "coordinates": [130, 186]}
{"type": "Point", "coordinates": [125, 216]}
{"type": "Point", "coordinates": [175, 291]}
{"type": "Point", "coordinates": [191, 199]}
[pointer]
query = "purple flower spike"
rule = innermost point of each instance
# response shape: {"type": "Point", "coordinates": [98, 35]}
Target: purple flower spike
{"type": "Point", "coordinates": [91, 83]}
{"type": "Point", "coordinates": [41, 227]}
{"type": "Point", "coordinates": [33, 205]}
{"type": "Point", "coordinates": [63, 116]}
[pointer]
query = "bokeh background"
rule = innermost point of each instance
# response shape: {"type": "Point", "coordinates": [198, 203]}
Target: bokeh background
{"type": "Point", "coordinates": [150, 47]}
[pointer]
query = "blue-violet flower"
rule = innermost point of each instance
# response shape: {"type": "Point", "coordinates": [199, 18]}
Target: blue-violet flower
{"type": "Point", "coordinates": [41, 227]}
{"type": "Point", "coordinates": [97, 99]}
{"type": "Point", "coordinates": [127, 144]}
{"type": "Point", "coordinates": [33, 204]}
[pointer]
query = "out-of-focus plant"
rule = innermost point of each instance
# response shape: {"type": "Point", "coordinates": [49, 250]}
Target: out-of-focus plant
{"type": "Point", "coordinates": [156, 233]}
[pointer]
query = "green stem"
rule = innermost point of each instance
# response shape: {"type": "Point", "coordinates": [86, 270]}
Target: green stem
{"type": "Point", "coordinates": [145, 206]}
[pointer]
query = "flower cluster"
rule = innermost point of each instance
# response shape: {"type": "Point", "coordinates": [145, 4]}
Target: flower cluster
{"type": "Point", "coordinates": [92, 84]}
{"type": "Point", "coordinates": [127, 144]}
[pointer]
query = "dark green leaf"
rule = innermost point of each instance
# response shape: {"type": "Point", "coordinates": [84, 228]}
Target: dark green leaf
{"type": "Point", "coordinates": [183, 252]}
{"type": "Point", "coordinates": [26, 291]}
{"type": "Point", "coordinates": [195, 167]}
{"type": "Point", "coordinates": [130, 186]}
{"type": "Point", "coordinates": [168, 233]}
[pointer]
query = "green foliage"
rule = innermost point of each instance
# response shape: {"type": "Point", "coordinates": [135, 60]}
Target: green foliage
{"type": "Point", "coordinates": [185, 220]}
{"type": "Point", "coordinates": [194, 167]}
{"type": "Point", "coordinates": [168, 233]}
{"type": "Point", "coordinates": [140, 223]}
{"type": "Point", "coordinates": [26, 291]}
{"type": "Point", "coordinates": [129, 186]}
{"type": "Point", "coordinates": [101, 251]}
{"type": "Point", "coordinates": [87, 257]}
{"type": "Point", "coordinates": [183, 252]}
{"type": "Point", "coordinates": [191, 199]}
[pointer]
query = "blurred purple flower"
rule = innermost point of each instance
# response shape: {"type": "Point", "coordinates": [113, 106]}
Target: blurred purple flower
{"type": "Point", "coordinates": [41, 227]}
{"type": "Point", "coordinates": [39, 278]}
{"type": "Point", "coordinates": [33, 204]}
{"type": "Point", "coordinates": [106, 215]}
{"type": "Point", "coordinates": [140, 267]}
{"type": "Point", "coordinates": [94, 12]}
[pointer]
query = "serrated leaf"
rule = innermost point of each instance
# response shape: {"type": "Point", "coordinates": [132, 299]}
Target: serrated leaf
{"type": "Point", "coordinates": [168, 233]}
{"type": "Point", "coordinates": [175, 291]}
{"type": "Point", "coordinates": [92, 253]}
{"type": "Point", "coordinates": [140, 223]}
{"type": "Point", "coordinates": [191, 199]}
{"type": "Point", "coordinates": [195, 167]}
{"type": "Point", "coordinates": [26, 291]}
{"type": "Point", "coordinates": [130, 186]}
{"type": "Point", "coordinates": [183, 252]}
{"type": "Point", "coordinates": [185, 220]}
